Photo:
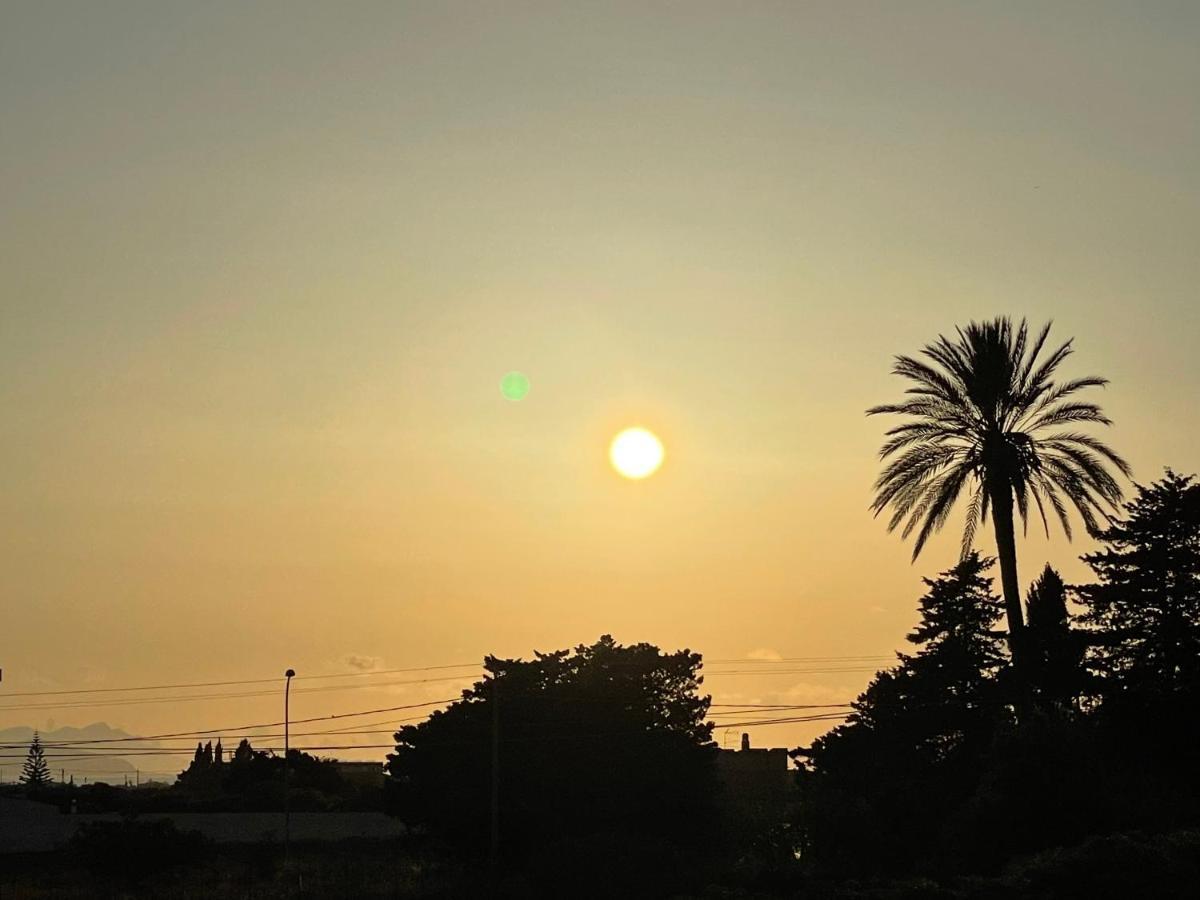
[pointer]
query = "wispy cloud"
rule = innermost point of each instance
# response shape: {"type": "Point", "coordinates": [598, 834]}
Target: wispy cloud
{"type": "Point", "coordinates": [765, 653]}
{"type": "Point", "coordinates": [363, 663]}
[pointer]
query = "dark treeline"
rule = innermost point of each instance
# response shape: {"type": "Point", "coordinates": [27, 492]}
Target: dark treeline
{"type": "Point", "coordinates": [592, 771]}
{"type": "Point", "coordinates": [946, 766]}
{"type": "Point", "coordinates": [241, 780]}
{"type": "Point", "coordinates": [955, 764]}
{"type": "Point", "coordinates": [986, 744]}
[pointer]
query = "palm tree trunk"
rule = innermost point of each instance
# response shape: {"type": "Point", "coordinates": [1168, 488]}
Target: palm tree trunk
{"type": "Point", "coordinates": [1006, 549]}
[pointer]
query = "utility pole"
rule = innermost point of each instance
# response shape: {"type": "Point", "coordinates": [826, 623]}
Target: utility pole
{"type": "Point", "coordinates": [494, 855]}
{"type": "Point", "coordinates": [287, 766]}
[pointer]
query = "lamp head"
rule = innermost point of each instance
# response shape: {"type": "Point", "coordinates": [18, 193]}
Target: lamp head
{"type": "Point", "coordinates": [290, 673]}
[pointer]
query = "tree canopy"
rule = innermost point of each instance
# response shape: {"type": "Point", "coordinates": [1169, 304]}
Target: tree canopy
{"type": "Point", "coordinates": [600, 739]}
{"type": "Point", "coordinates": [912, 745]}
{"type": "Point", "coordinates": [1145, 604]}
{"type": "Point", "coordinates": [1056, 674]}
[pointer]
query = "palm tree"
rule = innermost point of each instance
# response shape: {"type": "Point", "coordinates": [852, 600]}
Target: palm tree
{"type": "Point", "coordinates": [986, 418]}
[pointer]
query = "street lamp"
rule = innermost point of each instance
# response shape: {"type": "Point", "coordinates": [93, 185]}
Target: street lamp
{"type": "Point", "coordinates": [287, 800]}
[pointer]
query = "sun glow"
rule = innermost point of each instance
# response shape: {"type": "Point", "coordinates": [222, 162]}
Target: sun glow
{"type": "Point", "coordinates": [636, 453]}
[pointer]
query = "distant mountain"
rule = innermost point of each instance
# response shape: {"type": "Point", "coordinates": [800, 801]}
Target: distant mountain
{"type": "Point", "coordinates": [99, 765]}
{"type": "Point", "coordinates": [97, 731]}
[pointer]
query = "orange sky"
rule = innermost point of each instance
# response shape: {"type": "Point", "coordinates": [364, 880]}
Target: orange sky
{"type": "Point", "coordinates": [264, 268]}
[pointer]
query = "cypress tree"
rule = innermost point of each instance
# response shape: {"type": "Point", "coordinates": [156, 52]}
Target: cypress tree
{"type": "Point", "coordinates": [1055, 650]}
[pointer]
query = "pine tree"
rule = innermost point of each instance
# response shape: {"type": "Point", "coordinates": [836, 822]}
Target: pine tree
{"type": "Point", "coordinates": [951, 688]}
{"type": "Point", "coordinates": [1055, 650]}
{"type": "Point", "coordinates": [1145, 606]}
{"type": "Point", "coordinates": [947, 692]}
{"type": "Point", "coordinates": [35, 773]}
{"type": "Point", "coordinates": [877, 787]}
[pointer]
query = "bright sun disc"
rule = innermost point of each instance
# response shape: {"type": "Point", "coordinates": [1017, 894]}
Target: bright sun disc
{"type": "Point", "coordinates": [636, 453]}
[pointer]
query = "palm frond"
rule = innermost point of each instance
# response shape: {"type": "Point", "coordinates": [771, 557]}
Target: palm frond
{"type": "Point", "coordinates": [935, 516]}
{"type": "Point", "coordinates": [1072, 411]}
{"type": "Point", "coordinates": [977, 405]}
{"type": "Point", "coordinates": [1031, 358]}
{"type": "Point", "coordinates": [972, 522]}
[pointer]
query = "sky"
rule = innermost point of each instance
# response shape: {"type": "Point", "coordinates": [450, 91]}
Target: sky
{"type": "Point", "coordinates": [263, 266]}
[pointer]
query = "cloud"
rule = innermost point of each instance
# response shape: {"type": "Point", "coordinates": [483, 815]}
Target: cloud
{"type": "Point", "coordinates": [363, 663]}
{"type": "Point", "coordinates": [765, 653]}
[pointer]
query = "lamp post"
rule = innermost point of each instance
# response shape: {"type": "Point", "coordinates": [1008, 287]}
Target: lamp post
{"type": "Point", "coordinates": [287, 764]}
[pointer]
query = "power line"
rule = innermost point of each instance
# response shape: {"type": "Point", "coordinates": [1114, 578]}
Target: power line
{"type": "Point", "coordinates": [821, 671]}
{"type": "Point", "coordinates": [798, 659]}
{"type": "Point", "coordinates": [376, 672]}
{"type": "Point", "coordinates": [141, 701]}
{"type": "Point", "coordinates": [220, 732]}
{"type": "Point", "coordinates": [777, 706]}
{"type": "Point", "coordinates": [196, 684]}
{"type": "Point", "coordinates": [251, 735]}
{"type": "Point", "coordinates": [144, 753]}
{"type": "Point", "coordinates": [793, 720]}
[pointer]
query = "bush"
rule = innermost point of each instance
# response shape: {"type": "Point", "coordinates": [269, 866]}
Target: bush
{"type": "Point", "coordinates": [1116, 866]}
{"type": "Point", "coordinates": [133, 848]}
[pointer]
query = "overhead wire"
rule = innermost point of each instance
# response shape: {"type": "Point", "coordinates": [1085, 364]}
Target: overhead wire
{"type": "Point", "coordinates": [196, 684]}
{"type": "Point", "coordinates": [90, 747]}
{"type": "Point", "coordinates": [757, 664]}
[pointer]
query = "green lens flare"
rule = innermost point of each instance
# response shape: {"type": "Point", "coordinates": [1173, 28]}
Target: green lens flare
{"type": "Point", "coordinates": [514, 386]}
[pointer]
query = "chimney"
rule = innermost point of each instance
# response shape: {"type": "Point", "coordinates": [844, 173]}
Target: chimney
{"type": "Point", "coordinates": [745, 741]}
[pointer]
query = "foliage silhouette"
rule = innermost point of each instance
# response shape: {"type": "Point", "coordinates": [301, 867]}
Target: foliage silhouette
{"type": "Point", "coordinates": [875, 787]}
{"type": "Point", "coordinates": [602, 744]}
{"type": "Point", "coordinates": [1145, 605]}
{"type": "Point", "coordinates": [252, 779]}
{"type": "Point", "coordinates": [1056, 651]}
{"type": "Point", "coordinates": [35, 773]}
{"type": "Point", "coordinates": [1143, 613]}
{"type": "Point", "coordinates": [917, 781]}
{"type": "Point", "coordinates": [980, 409]}
{"type": "Point", "coordinates": [133, 849]}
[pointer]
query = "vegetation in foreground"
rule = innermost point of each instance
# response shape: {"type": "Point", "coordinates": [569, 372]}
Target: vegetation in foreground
{"type": "Point", "coordinates": [1111, 867]}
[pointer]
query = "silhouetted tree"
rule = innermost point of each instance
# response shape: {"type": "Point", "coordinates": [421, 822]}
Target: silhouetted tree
{"type": "Point", "coordinates": [1145, 606]}
{"type": "Point", "coordinates": [1056, 652]}
{"type": "Point", "coordinates": [243, 753]}
{"type": "Point", "coordinates": [201, 774]}
{"type": "Point", "coordinates": [35, 773]}
{"type": "Point", "coordinates": [603, 740]}
{"type": "Point", "coordinates": [877, 786]}
{"type": "Point", "coordinates": [253, 779]}
{"type": "Point", "coordinates": [980, 408]}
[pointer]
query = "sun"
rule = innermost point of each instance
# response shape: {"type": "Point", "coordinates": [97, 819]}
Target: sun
{"type": "Point", "coordinates": [636, 453]}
